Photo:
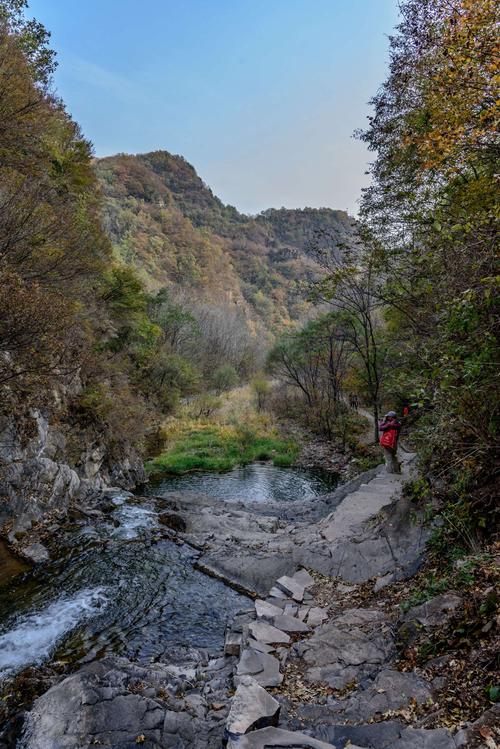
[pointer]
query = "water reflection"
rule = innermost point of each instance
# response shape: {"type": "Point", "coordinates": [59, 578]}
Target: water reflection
{"type": "Point", "coordinates": [257, 482]}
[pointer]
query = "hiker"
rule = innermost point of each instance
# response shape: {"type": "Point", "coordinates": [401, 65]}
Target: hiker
{"type": "Point", "coordinates": [390, 428]}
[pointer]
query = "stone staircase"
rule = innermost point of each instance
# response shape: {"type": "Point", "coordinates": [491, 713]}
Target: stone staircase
{"type": "Point", "coordinates": [356, 646]}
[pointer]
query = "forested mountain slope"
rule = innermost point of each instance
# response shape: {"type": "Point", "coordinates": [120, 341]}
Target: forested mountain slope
{"type": "Point", "coordinates": [168, 224]}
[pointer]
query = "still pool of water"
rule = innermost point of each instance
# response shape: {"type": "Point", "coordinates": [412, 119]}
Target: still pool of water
{"type": "Point", "coordinates": [257, 482]}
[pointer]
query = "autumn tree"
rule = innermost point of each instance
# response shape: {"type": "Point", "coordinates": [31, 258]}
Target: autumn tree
{"type": "Point", "coordinates": [433, 211]}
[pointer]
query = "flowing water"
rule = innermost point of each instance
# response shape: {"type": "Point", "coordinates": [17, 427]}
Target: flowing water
{"type": "Point", "coordinates": [117, 586]}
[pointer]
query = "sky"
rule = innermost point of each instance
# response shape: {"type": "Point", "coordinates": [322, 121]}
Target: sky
{"type": "Point", "coordinates": [261, 96]}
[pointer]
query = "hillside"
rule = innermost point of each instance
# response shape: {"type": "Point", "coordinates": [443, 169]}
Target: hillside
{"type": "Point", "coordinates": [168, 224]}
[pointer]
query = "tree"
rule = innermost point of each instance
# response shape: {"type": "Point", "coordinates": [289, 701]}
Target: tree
{"type": "Point", "coordinates": [313, 361]}
{"type": "Point", "coordinates": [224, 378]}
{"type": "Point", "coordinates": [351, 287]}
{"type": "Point", "coordinates": [432, 209]}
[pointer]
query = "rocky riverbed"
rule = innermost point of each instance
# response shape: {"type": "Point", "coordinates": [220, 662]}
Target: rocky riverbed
{"type": "Point", "coordinates": [308, 663]}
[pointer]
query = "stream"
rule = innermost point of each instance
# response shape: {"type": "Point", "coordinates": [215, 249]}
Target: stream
{"type": "Point", "coordinates": [117, 586]}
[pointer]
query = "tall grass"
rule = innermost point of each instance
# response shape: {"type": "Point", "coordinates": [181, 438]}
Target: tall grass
{"type": "Point", "coordinates": [213, 447]}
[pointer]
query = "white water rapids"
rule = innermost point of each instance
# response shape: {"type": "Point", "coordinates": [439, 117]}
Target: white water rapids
{"type": "Point", "coordinates": [35, 636]}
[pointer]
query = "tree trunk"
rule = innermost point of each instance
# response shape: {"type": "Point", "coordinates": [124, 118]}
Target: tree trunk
{"type": "Point", "coordinates": [376, 418]}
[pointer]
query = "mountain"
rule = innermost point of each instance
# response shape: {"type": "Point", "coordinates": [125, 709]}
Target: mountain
{"type": "Point", "coordinates": [165, 222]}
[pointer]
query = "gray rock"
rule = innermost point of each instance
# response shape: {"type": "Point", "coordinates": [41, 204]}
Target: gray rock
{"type": "Point", "coordinates": [276, 592]}
{"type": "Point", "coordinates": [21, 525]}
{"type": "Point", "coordinates": [291, 587]}
{"type": "Point", "coordinates": [290, 624]}
{"type": "Point", "coordinates": [233, 642]}
{"type": "Point", "coordinates": [262, 667]}
{"type": "Point", "coordinates": [36, 553]}
{"type": "Point", "coordinates": [316, 616]}
{"type": "Point", "coordinates": [277, 737]}
{"type": "Point", "coordinates": [267, 633]}
{"type": "Point", "coordinates": [434, 612]}
{"type": "Point", "coordinates": [353, 645]}
{"type": "Point", "coordinates": [385, 735]}
{"type": "Point", "coordinates": [263, 647]}
{"type": "Point", "coordinates": [391, 690]}
{"type": "Point", "coordinates": [265, 610]}
{"type": "Point", "coordinates": [251, 708]}
{"type": "Point", "coordinates": [383, 582]}
{"type": "Point", "coordinates": [303, 612]}
{"type": "Point", "coordinates": [304, 578]}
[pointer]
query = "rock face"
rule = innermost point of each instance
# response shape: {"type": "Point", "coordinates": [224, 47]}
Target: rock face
{"type": "Point", "coordinates": [35, 472]}
{"type": "Point", "coordinates": [114, 702]}
{"type": "Point", "coordinates": [348, 648]}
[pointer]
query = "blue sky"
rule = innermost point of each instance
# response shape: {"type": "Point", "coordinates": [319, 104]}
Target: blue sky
{"type": "Point", "coordinates": [261, 96]}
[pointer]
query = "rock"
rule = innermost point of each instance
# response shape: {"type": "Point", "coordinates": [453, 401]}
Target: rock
{"type": "Point", "coordinates": [267, 633]}
{"type": "Point", "coordinates": [36, 553]}
{"type": "Point", "coordinates": [263, 647]}
{"type": "Point", "coordinates": [262, 667]}
{"type": "Point", "coordinates": [78, 711]}
{"type": "Point", "coordinates": [21, 525]}
{"type": "Point", "coordinates": [233, 642]}
{"type": "Point", "coordinates": [391, 690]}
{"type": "Point", "coordinates": [291, 587]}
{"type": "Point", "coordinates": [290, 609]}
{"type": "Point", "coordinates": [303, 612]}
{"type": "Point", "coordinates": [434, 612]}
{"type": "Point", "coordinates": [251, 708]}
{"type": "Point", "coordinates": [385, 735]}
{"type": "Point", "coordinates": [304, 578]}
{"type": "Point", "coordinates": [351, 646]}
{"type": "Point", "coordinates": [279, 602]}
{"type": "Point", "coordinates": [266, 610]}
{"type": "Point", "coordinates": [279, 738]}
{"type": "Point", "coordinates": [383, 582]}
{"type": "Point", "coordinates": [173, 520]}
{"type": "Point", "coordinates": [317, 616]}
{"type": "Point", "coordinates": [277, 593]}
{"type": "Point", "coordinates": [290, 624]}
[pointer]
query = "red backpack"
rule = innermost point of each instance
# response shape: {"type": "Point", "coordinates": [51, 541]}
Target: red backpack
{"type": "Point", "coordinates": [389, 438]}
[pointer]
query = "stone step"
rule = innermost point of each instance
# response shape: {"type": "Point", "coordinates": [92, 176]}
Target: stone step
{"type": "Point", "coordinates": [251, 707]}
{"type": "Point", "coordinates": [267, 633]}
{"type": "Point", "coordinates": [290, 624]}
{"type": "Point", "coordinates": [262, 667]}
{"type": "Point", "coordinates": [291, 587]}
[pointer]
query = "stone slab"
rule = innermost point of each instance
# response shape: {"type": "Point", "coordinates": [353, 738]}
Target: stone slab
{"type": "Point", "coordinates": [262, 667]}
{"type": "Point", "coordinates": [265, 610]}
{"type": "Point", "coordinates": [267, 633]}
{"type": "Point", "coordinates": [316, 616]}
{"type": "Point", "coordinates": [291, 587]}
{"type": "Point", "coordinates": [290, 624]}
{"type": "Point", "coordinates": [251, 708]}
{"type": "Point", "coordinates": [279, 738]}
